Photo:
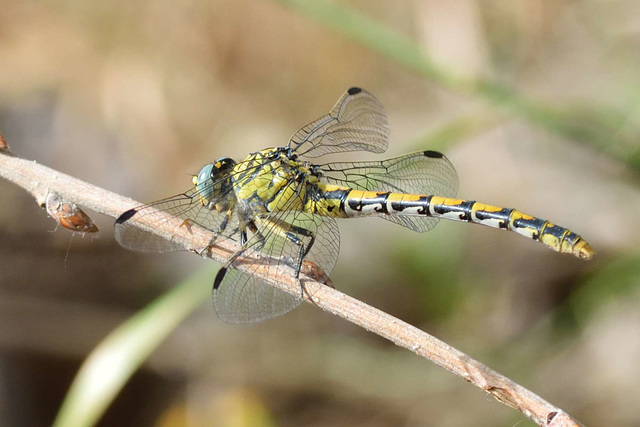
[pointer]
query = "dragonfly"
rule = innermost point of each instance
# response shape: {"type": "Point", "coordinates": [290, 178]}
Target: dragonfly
{"type": "Point", "coordinates": [280, 204]}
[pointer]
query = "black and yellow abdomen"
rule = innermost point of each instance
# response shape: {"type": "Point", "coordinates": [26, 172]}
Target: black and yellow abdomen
{"type": "Point", "coordinates": [358, 203]}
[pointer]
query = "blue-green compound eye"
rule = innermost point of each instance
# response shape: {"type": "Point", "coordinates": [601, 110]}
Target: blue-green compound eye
{"type": "Point", "coordinates": [204, 183]}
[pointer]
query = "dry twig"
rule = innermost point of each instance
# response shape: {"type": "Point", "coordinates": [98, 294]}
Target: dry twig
{"type": "Point", "coordinates": [40, 181]}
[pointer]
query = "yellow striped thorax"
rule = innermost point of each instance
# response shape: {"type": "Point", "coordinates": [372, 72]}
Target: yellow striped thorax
{"type": "Point", "coordinates": [272, 180]}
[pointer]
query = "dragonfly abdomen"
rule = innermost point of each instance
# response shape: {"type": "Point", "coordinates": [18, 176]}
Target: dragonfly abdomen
{"type": "Point", "coordinates": [359, 203]}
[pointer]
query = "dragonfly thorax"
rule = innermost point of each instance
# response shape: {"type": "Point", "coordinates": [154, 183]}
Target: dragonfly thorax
{"type": "Point", "coordinates": [272, 180]}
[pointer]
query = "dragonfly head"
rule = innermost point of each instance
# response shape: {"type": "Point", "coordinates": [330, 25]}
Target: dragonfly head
{"type": "Point", "coordinates": [210, 178]}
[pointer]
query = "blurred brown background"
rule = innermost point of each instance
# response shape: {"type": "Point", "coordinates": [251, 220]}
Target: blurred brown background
{"type": "Point", "coordinates": [137, 96]}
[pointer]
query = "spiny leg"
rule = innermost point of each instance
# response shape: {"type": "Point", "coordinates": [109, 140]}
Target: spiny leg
{"type": "Point", "coordinates": [244, 242]}
{"type": "Point", "coordinates": [254, 229]}
{"type": "Point", "coordinates": [279, 228]}
{"type": "Point", "coordinates": [291, 232]}
{"type": "Point", "coordinates": [221, 228]}
{"type": "Point", "coordinates": [275, 227]}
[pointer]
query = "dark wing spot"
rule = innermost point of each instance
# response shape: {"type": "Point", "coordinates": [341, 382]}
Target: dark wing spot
{"type": "Point", "coordinates": [221, 273]}
{"type": "Point", "coordinates": [433, 154]}
{"type": "Point", "coordinates": [354, 91]}
{"type": "Point", "coordinates": [126, 216]}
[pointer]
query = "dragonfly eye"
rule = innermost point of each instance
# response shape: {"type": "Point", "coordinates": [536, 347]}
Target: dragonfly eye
{"type": "Point", "coordinates": [203, 182]}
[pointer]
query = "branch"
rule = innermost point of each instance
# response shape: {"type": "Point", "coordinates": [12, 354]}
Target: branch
{"type": "Point", "coordinates": [40, 181]}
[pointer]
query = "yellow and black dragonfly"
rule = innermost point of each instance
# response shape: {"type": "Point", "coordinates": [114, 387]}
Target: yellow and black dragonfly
{"type": "Point", "coordinates": [280, 204]}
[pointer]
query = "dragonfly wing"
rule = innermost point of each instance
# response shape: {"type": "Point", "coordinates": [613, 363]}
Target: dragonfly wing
{"type": "Point", "coordinates": [358, 122]}
{"type": "Point", "coordinates": [424, 173]}
{"type": "Point", "coordinates": [137, 228]}
{"type": "Point", "coordinates": [326, 246]}
{"type": "Point", "coordinates": [242, 297]}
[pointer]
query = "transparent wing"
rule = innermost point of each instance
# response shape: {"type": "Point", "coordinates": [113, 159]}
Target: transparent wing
{"type": "Point", "coordinates": [245, 298]}
{"type": "Point", "coordinates": [136, 228]}
{"type": "Point", "coordinates": [424, 172]}
{"type": "Point", "coordinates": [358, 122]}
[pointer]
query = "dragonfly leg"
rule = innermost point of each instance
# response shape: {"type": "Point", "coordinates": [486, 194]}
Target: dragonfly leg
{"type": "Point", "coordinates": [254, 229]}
{"type": "Point", "coordinates": [221, 228]}
{"type": "Point", "coordinates": [296, 236]}
{"type": "Point", "coordinates": [312, 238]}
{"type": "Point", "coordinates": [244, 242]}
{"type": "Point", "coordinates": [304, 251]}
{"type": "Point", "coordinates": [290, 232]}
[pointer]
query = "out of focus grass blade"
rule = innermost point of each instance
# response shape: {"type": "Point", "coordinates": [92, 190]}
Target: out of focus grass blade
{"type": "Point", "coordinates": [112, 363]}
{"type": "Point", "coordinates": [379, 38]}
{"type": "Point", "coordinates": [596, 126]}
